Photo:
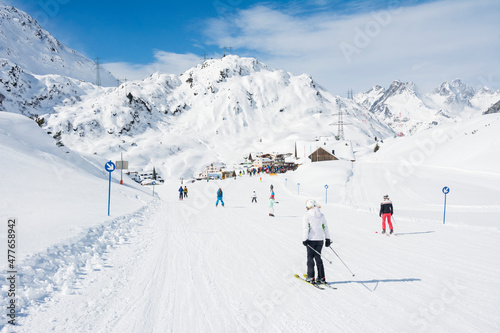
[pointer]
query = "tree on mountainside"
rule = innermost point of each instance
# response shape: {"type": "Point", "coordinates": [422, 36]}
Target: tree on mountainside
{"type": "Point", "coordinates": [38, 120]}
{"type": "Point", "coordinates": [57, 137]}
{"type": "Point", "coordinates": [495, 108]}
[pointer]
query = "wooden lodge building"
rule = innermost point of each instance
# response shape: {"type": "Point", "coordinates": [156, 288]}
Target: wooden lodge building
{"type": "Point", "coordinates": [321, 154]}
{"type": "Point", "coordinates": [323, 149]}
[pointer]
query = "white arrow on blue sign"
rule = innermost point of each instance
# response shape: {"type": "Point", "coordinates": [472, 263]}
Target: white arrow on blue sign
{"type": "Point", "coordinates": [446, 190]}
{"type": "Point", "coordinates": [110, 166]}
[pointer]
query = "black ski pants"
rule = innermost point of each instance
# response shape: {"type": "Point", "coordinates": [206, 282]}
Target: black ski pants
{"type": "Point", "coordinates": [312, 257]}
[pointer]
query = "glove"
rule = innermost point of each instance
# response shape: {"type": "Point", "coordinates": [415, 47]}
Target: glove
{"type": "Point", "coordinates": [328, 242]}
{"type": "Point", "coordinates": [305, 243]}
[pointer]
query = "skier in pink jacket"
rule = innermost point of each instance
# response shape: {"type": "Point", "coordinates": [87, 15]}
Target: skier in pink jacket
{"type": "Point", "coordinates": [386, 212]}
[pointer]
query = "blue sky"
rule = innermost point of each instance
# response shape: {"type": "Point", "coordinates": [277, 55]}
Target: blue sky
{"type": "Point", "coordinates": [342, 44]}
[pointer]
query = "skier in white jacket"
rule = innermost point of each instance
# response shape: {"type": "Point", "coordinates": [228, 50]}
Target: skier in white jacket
{"type": "Point", "coordinates": [315, 229]}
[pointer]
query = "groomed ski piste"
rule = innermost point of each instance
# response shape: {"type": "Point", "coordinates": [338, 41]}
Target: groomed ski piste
{"type": "Point", "coordinates": [164, 265]}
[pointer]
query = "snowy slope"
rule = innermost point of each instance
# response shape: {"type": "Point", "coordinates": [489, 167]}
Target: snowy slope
{"type": "Point", "coordinates": [39, 177]}
{"type": "Point", "coordinates": [163, 265]}
{"type": "Point", "coordinates": [189, 266]}
{"type": "Point", "coordinates": [25, 43]}
{"type": "Point", "coordinates": [56, 196]}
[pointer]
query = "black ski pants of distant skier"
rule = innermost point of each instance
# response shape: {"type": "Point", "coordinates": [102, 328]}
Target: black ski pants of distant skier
{"type": "Point", "coordinates": [312, 256]}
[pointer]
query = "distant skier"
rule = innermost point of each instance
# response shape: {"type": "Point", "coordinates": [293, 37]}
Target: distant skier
{"type": "Point", "coordinates": [254, 197]}
{"type": "Point", "coordinates": [315, 229]}
{"type": "Point", "coordinates": [185, 191]}
{"type": "Point", "coordinates": [181, 193]}
{"type": "Point", "coordinates": [386, 212]}
{"type": "Point", "coordinates": [219, 197]}
{"type": "Point", "coordinates": [271, 206]}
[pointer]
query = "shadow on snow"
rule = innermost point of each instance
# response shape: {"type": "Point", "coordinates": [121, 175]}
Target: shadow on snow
{"type": "Point", "coordinates": [364, 283]}
{"type": "Point", "coordinates": [413, 233]}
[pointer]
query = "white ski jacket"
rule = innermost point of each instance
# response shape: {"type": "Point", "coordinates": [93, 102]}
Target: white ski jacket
{"type": "Point", "coordinates": [314, 225]}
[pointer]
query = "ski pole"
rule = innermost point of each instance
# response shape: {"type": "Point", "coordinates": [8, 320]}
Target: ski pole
{"type": "Point", "coordinates": [341, 260]}
{"type": "Point", "coordinates": [392, 217]}
{"type": "Point", "coordinates": [319, 253]}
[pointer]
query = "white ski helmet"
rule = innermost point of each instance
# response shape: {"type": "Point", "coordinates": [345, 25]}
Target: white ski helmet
{"type": "Point", "coordinates": [310, 203]}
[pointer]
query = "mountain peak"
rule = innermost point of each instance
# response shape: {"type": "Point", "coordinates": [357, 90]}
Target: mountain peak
{"type": "Point", "coordinates": [40, 52]}
{"type": "Point", "coordinates": [399, 86]}
{"type": "Point", "coordinates": [225, 67]}
{"type": "Point", "coordinates": [455, 92]}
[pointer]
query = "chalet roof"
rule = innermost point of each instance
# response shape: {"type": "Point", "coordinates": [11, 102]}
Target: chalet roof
{"type": "Point", "coordinates": [342, 148]}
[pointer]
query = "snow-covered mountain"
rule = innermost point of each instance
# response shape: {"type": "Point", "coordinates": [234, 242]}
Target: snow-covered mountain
{"type": "Point", "coordinates": [209, 112]}
{"type": "Point", "coordinates": [407, 111]}
{"type": "Point", "coordinates": [29, 94]}
{"type": "Point", "coordinates": [454, 93]}
{"type": "Point", "coordinates": [461, 100]}
{"type": "Point", "coordinates": [222, 105]}
{"type": "Point", "coordinates": [400, 106]}
{"type": "Point", "coordinates": [25, 43]}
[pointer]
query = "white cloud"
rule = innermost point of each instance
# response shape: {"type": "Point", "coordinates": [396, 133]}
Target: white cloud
{"type": "Point", "coordinates": [165, 62]}
{"type": "Point", "coordinates": [427, 43]}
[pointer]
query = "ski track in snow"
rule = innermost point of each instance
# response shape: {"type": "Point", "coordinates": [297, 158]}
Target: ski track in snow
{"type": "Point", "coordinates": [188, 266]}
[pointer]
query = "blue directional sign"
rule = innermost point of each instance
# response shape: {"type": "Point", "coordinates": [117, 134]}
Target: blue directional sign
{"type": "Point", "coordinates": [154, 183]}
{"type": "Point", "coordinates": [326, 193]}
{"type": "Point", "coordinates": [446, 190]}
{"type": "Point", "coordinates": [110, 167]}
{"type": "Point", "coordinates": [298, 188]}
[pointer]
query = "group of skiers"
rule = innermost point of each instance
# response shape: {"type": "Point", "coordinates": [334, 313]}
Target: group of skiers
{"type": "Point", "coordinates": [314, 229]}
{"type": "Point", "coordinates": [272, 200]}
{"type": "Point", "coordinates": [183, 192]}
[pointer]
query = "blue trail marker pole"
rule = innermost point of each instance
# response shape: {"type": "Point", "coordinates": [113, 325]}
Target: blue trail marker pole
{"type": "Point", "coordinates": [110, 167]}
{"type": "Point", "coordinates": [286, 182]}
{"type": "Point", "coordinates": [446, 190]}
{"type": "Point", "coordinates": [298, 188]}
{"type": "Point", "coordinates": [154, 183]}
{"type": "Point", "coordinates": [326, 193]}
